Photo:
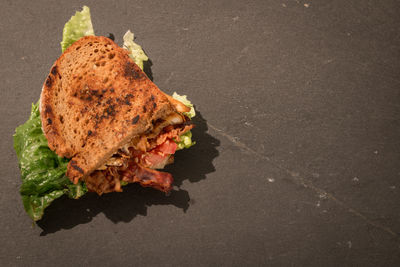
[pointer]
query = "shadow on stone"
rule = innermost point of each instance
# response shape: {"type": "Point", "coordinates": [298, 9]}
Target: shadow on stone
{"type": "Point", "coordinates": [194, 163]}
{"type": "Point", "coordinates": [147, 68]}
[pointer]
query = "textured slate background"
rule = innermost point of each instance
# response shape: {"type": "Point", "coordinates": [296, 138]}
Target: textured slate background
{"type": "Point", "coordinates": [297, 160]}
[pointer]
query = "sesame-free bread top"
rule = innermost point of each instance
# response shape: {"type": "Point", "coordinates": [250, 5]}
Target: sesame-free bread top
{"type": "Point", "coordinates": [95, 100]}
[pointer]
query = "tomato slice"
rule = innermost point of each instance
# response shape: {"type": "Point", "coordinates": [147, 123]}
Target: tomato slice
{"type": "Point", "coordinates": [158, 157]}
{"type": "Point", "coordinates": [155, 160]}
{"type": "Point", "coordinates": [168, 147]}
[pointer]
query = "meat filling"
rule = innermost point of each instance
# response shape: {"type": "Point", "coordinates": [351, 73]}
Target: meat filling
{"type": "Point", "coordinates": [136, 162]}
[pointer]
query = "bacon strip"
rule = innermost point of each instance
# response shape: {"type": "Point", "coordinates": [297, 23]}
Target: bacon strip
{"type": "Point", "coordinates": [105, 182]}
{"type": "Point", "coordinates": [148, 177]}
{"type": "Point", "coordinates": [171, 134]}
{"type": "Point", "coordinates": [134, 168]}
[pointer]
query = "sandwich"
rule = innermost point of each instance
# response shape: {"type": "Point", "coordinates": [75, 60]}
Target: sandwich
{"type": "Point", "coordinates": [99, 109]}
{"type": "Point", "coordinates": [100, 123]}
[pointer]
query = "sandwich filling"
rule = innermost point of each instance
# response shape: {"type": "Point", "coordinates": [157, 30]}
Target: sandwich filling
{"type": "Point", "coordinates": [137, 161]}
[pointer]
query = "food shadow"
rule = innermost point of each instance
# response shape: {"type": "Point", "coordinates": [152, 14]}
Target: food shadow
{"type": "Point", "coordinates": [192, 164]}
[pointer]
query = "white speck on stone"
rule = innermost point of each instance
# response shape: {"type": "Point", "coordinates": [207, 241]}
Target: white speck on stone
{"type": "Point", "coordinates": [248, 123]}
{"type": "Point", "coordinates": [235, 18]}
{"type": "Point", "coordinates": [393, 187]}
{"type": "Point", "coordinates": [185, 29]}
{"type": "Point", "coordinates": [349, 244]}
{"type": "Point", "coordinates": [323, 196]}
{"type": "Point", "coordinates": [318, 204]}
{"type": "Point", "coordinates": [324, 211]}
{"type": "Point", "coordinates": [307, 5]}
{"type": "Point", "coordinates": [23, 58]}
{"type": "Point", "coordinates": [88, 210]}
{"type": "Point", "coordinates": [355, 179]}
{"type": "Point", "coordinates": [18, 257]}
{"type": "Point", "coordinates": [376, 152]}
{"type": "Point", "coordinates": [283, 4]}
{"type": "Point", "coordinates": [271, 180]}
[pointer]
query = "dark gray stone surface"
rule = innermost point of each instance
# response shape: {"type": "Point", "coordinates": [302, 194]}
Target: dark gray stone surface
{"type": "Point", "coordinates": [297, 155]}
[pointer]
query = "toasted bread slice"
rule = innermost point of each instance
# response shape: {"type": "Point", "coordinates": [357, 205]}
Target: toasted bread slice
{"type": "Point", "coordinates": [95, 100]}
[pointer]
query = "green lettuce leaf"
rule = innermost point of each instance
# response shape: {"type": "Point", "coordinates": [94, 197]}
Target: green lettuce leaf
{"type": "Point", "coordinates": [42, 171]}
{"type": "Point", "coordinates": [186, 138]}
{"type": "Point", "coordinates": [186, 102]}
{"type": "Point", "coordinates": [78, 26]}
{"type": "Point", "coordinates": [135, 51]}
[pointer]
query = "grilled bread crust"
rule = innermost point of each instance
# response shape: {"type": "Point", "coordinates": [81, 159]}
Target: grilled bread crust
{"type": "Point", "coordinates": [95, 100]}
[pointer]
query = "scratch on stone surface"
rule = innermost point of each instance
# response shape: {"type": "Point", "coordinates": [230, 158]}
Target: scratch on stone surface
{"type": "Point", "coordinates": [243, 52]}
{"type": "Point", "coordinates": [300, 180]}
{"type": "Point", "coordinates": [169, 77]}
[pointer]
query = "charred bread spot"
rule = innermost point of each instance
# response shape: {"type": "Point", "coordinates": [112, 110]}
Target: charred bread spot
{"type": "Point", "coordinates": [110, 110]}
{"type": "Point", "coordinates": [135, 119]}
{"type": "Point", "coordinates": [89, 95]}
{"type": "Point", "coordinates": [149, 104]}
{"type": "Point", "coordinates": [89, 133]}
{"type": "Point", "coordinates": [84, 110]}
{"type": "Point", "coordinates": [49, 81]}
{"type": "Point", "coordinates": [48, 110]}
{"type": "Point", "coordinates": [49, 121]}
{"type": "Point", "coordinates": [127, 99]}
{"type": "Point", "coordinates": [54, 70]}
{"type": "Point", "coordinates": [131, 72]}
{"type": "Point", "coordinates": [76, 167]}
